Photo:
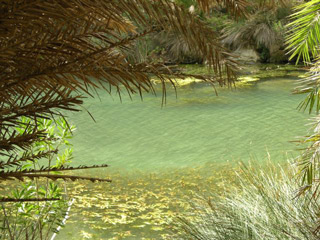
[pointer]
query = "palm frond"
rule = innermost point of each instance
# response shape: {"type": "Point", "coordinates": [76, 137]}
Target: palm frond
{"type": "Point", "coordinates": [58, 169]}
{"type": "Point", "coordinates": [258, 29]}
{"type": "Point", "coordinates": [71, 53]}
{"type": "Point", "coordinates": [309, 161]}
{"type": "Point", "coordinates": [6, 200]}
{"type": "Point", "coordinates": [14, 175]}
{"type": "Point", "coordinates": [310, 85]}
{"type": "Point", "coordinates": [236, 8]}
{"type": "Point", "coordinates": [15, 161]}
{"type": "Point", "coordinates": [303, 31]}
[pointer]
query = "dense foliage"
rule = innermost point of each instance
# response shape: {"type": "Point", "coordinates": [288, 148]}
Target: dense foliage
{"type": "Point", "coordinates": [27, 215]}
{"type": "Point", "coordinates": [258, 26]}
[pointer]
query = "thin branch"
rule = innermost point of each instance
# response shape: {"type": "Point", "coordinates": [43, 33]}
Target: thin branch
{"type": "Point", "coordinates": [3, 200]}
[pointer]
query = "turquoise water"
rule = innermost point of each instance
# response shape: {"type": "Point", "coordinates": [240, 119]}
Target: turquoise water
{"type": "Point", "coordinates": [176, 142]}
{"type": "Point", "coordinates": [195, 128]}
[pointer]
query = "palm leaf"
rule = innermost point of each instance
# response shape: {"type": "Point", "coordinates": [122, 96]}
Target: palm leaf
{"type": "Point", "coordinates": [303, 31]}
{"type": "Point", "coordinates": [236, 8]}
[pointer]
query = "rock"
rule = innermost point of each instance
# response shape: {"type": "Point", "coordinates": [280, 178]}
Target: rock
{"type": "Point", "coordinates": [246, 55]}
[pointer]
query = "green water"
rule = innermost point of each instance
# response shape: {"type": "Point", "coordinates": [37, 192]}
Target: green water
{"type": "Point", "coordinates": [196, 128]}
{"type": "Point", "coordinates": [194, 132]}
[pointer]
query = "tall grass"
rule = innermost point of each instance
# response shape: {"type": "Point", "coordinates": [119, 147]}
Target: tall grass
{"type": "Point", "coordinates": [262, 206]}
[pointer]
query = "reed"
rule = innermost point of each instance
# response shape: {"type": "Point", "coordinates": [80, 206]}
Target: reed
{"type": "Point", "coordinates": [263, 206]}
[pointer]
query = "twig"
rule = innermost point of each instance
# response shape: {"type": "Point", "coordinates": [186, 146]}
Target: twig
{"type": "Point", "coordinates": [28, 199]}
{"type": "Point", "coordinates": [64, 220]}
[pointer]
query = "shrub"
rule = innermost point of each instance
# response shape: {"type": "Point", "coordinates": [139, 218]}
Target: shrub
{"type": "Point", "coordinates": [32, 219]}
{"type": "Point", "coordinates": [263, 206]}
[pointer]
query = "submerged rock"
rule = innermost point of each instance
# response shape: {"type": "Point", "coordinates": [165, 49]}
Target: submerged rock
{"type": "Point", "coordinates": [244, 81]}
{"type": "Point", "coordinates": [248, 79]}
{"type": "Point", "coordinates": [187, 81]}
{"type": "Point", "coordinates": [178, 81]}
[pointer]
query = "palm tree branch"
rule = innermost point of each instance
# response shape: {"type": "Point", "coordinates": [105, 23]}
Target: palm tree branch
{"type": "Point", "coordinates": [20, 176]}
{"type": "Point", "coordinates": [303, 31]}
{"type": "Point", "coordinates": [27, 156]}
{"type": "Point", "coordinates": [6, 199]}
{"type": "Point", "coordinates": [57, 169]}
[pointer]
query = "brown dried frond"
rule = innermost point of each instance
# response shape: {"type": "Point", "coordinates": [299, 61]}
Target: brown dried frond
{"type": "Point", "coordinates": [12, 140]}
{"type": "Point", "coordinates": [62, 168]}
{"type": "Point", "coordinates": [38, 104]}
{"type": "Point", "coordinates": [237, 8]}
{"type": "Point", "coordinates": [69, 43]}
{"type": "Point", "coordinates": [15, 161]}
{"type": "Point", "coordinates": [274, 3]}
{"type": "Point", "coordinates": [28, 199]}
{"type": "Point", "coordinates": [13, 175]}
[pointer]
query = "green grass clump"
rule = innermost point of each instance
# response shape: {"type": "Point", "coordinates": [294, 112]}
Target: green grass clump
{"type": "Point", "coordinates": [263, 206]}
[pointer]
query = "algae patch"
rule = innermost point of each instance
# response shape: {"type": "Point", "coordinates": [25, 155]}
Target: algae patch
{"type": "Point", "coordinates": [246, 80]}
{"type": "Point", "coordinates": [247, 76]}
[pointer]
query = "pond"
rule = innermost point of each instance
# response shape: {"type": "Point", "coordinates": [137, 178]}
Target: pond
{"type": "Point", "coordinates": [160, 154]}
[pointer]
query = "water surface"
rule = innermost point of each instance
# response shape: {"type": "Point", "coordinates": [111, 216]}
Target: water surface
{"type": "Point", "coordinates": [195, 128]}
{"type": "Point", "coordinates": [159, 154]}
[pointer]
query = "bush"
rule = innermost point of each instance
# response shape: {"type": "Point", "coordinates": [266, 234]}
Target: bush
{"type": "Point", "coordinates": [263, 206]}
{"type": "Point", "coordinates": [32, 219]}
